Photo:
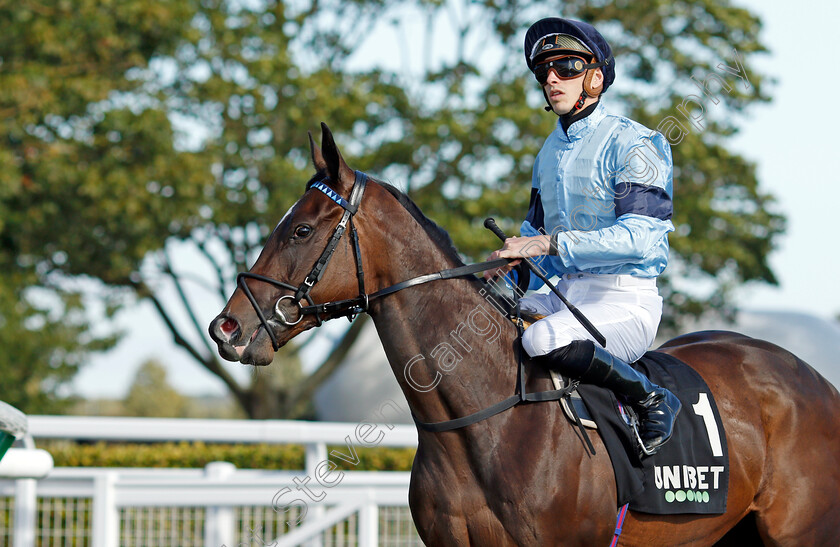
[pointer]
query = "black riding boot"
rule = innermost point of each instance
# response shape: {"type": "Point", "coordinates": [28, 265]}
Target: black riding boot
{"type": "Point", "coordinates": [656, 406]}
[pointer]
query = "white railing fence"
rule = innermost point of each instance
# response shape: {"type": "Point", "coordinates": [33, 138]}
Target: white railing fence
{"type": "Point", "coordinates": [219, 504]}
{"type": "Point", "coordinates": [25, 464]}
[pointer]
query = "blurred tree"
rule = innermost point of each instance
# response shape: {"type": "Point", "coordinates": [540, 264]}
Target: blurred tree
{"type": "Point", "coordinates": [131, 126]}
{"type": "Point", "coordinates": [152, 396]}
{"type": "Point", "coordinates": [45, 336]}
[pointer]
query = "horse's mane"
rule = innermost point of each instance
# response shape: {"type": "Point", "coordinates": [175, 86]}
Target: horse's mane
{"type": "Point", "coordinates": [438, 235]}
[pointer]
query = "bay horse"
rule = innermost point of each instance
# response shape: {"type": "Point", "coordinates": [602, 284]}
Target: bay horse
{"type": "Point", "coordinates": [522, 477]}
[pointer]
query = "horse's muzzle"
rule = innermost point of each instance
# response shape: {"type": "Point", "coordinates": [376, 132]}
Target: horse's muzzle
{"type": "Point", "coordinates": [248, 345]}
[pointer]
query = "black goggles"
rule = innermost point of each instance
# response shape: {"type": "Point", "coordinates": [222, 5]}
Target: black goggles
{"type": "Point", "coordinates": [566, 68]}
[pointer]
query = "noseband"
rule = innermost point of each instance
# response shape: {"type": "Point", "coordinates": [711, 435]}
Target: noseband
{"type": "Point", "coordinates": [341, 308]}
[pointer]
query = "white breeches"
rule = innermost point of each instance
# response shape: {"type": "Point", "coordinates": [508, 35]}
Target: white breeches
{"type": "Point", "coordinates": [624, 308]}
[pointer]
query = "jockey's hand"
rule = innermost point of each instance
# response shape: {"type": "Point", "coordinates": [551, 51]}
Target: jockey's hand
{"type": "Point", "coordinates": [490, 275]}
{"type": "Point", "coordinates": [518, 247]}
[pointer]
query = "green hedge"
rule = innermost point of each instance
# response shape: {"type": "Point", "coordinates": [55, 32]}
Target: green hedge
{"type": "Point", "coordinates": [243, 456]}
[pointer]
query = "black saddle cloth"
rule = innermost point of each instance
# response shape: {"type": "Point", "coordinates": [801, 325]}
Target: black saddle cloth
{"type": "Point", "coordinates": [690, 474]}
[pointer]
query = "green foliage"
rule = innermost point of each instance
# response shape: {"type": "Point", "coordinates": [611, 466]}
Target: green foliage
{"type": "Point", "coordinates": [129, 126]}
{"type": "Point", "coordinates": [45, 337]}
{"type": "Point", "coordinates": [246, 456]}
{"type": "Point", "coordinates": [243, 456]}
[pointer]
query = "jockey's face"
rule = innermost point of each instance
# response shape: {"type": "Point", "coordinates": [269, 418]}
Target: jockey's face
{"type": "Point", "coordinates": [564, 93]}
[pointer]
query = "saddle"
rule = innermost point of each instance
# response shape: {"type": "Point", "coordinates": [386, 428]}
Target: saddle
{"type": "Point", "coordinates": [690, 473]}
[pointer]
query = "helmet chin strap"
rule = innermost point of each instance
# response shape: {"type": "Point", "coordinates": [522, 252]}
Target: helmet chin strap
{"type": "Point", "coordinates": [578, 104]}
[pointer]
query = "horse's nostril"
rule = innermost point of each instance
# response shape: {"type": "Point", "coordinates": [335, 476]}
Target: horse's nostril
{"type": "Point", "coordinates": [229, 326]}
{"type": "Point", "coordinates": [224, 329]}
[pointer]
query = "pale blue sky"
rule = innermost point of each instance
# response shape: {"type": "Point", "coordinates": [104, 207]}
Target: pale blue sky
{"type": "Point", "coordinates": [793, 141]}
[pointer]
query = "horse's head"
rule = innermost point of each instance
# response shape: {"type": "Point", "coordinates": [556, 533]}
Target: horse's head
{"type": "Point", "coordinates": [296, 268]}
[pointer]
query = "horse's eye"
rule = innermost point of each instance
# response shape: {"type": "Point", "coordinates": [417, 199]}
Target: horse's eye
{"type": "Point", "coordinates": [303, 231]}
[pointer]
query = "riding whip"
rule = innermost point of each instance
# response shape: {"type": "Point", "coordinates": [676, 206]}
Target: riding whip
{"type": "Point", "coordinates": [490, 224]}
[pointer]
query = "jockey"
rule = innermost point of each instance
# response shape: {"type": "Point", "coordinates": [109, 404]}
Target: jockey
{"type": "Point", "coordinates": [599, 217]}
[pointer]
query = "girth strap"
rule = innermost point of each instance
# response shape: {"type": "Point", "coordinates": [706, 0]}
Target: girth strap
{"type": "Point", "coordinates": [492, 410]}
{"type": "Point", "coordinates": [520, 397]}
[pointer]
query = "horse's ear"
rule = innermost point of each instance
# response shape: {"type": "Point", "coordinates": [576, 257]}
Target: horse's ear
{"type": "Point", "coordinates": [317, 155]}
{"type": "Point", "coordinates": [341, 176]}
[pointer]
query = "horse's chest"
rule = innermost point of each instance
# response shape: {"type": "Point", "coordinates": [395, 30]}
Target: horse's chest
{"type": "Point", "coordinates": [509, 502]}
{"type": "Point", "coordinates": [452, 508]}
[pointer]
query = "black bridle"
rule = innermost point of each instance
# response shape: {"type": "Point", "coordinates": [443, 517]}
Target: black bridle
{"type": "Point", "coordinates": [354, 306]}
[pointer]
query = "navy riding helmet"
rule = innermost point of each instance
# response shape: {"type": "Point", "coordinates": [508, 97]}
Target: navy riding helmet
{"type": "Point", "coordinates": [583, 32]}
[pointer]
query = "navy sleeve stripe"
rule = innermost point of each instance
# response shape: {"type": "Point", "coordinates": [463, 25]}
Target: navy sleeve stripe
{"type": "Point", "coordinates": [642, 199]}
{"type": "Point", "coordinates": [536, 216]}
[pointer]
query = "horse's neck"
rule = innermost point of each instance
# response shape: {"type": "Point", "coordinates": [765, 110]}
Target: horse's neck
{"type": "Point", "coordinates": [450, 349]}
{"type": "Point", "coordinates": [453, 354]}
{"type": "Point", "coordinates": [451, 357]}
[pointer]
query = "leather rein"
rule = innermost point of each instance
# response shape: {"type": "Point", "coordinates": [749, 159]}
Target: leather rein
{"type": "Point", "coordinates": [353, 306]}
